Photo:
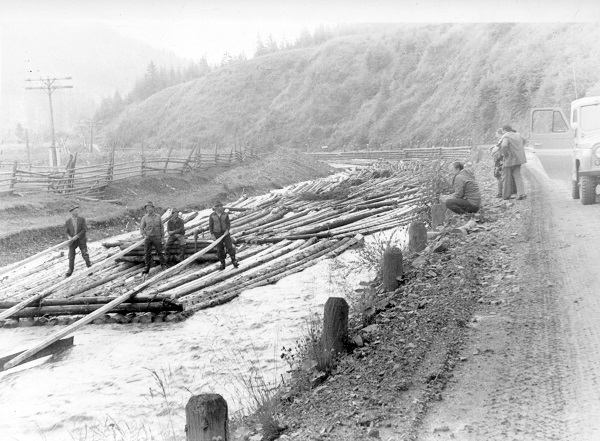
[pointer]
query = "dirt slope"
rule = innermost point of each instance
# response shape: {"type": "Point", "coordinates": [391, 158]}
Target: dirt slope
{"type": "Point", "coordinates": [532, 366]}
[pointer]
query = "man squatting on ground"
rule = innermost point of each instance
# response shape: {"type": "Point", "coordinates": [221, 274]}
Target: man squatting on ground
{"type": "Point", "coordinates": [151, 228]}
{"type": "Point", "coordinates": [218, 225]}
{"type": "Point", "coordinates": [176, 235]}
{"type": "Point", "coordinates": [76, 230]}
{"type": "Point", "coordinates": [466, 197]}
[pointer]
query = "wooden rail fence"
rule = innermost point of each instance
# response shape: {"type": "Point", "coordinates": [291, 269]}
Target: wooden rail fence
{"type": "Point", "coordinates": [94, 179]}
{"type": "Point", "coordinates": [448, 153]}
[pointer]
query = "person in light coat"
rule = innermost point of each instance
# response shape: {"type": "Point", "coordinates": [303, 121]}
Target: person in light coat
{"type": "Point", "coordinates": [512, 148]}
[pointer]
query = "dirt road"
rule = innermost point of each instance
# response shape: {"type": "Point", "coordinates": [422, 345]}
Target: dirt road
{"type": "Point", "coordinates": [531, 370]}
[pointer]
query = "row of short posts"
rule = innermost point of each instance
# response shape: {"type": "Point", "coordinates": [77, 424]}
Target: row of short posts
{"type": "Point", "coordinates": [417, 241]}
{"type": "Point", "coordinates": [207, 414]}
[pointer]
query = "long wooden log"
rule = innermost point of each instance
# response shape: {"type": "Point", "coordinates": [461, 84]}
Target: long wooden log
{"type": "Point", "coordinates": [243, 269]}
{"type": "Point", "coordinates": [46, 292]}
{"type": "Point", "coordinates": [87, 309]}
{"type": "Point", "coordinates": [89, 286]}
{"type": "Point", "coordinates": [19, 264]}
{"type": "Point", "coordinates": [227, 296]}
{"type": "Point", "coordinates": [100, 300]}
{"type": "Point", "coordinates": [207, 269]}
{"type": "Point", "coordinates": [104, 309]}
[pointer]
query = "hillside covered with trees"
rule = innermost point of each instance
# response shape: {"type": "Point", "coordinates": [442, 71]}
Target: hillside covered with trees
{"type": "Point", "coordinates": [378, 86]}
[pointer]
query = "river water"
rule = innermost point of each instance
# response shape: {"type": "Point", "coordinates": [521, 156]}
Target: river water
{"type": "Point", "coordinates": [131, 382]}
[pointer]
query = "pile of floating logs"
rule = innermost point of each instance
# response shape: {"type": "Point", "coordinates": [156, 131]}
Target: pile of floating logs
{"type": "Point", "coordinates": [276, 234]}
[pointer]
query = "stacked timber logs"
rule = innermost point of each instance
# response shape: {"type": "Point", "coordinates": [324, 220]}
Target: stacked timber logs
{"type": "Point", "coordinates": [277, 234]}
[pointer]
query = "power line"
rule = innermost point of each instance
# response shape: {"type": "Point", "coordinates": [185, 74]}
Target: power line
{"type": "Point", "coordinates": [49, 87]}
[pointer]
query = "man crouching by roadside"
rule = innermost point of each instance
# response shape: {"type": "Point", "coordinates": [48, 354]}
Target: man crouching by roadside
{"type": "Point", "coordinates": [466, 197]}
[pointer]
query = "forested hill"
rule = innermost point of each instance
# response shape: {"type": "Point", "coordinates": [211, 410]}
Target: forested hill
{"type": "Point", "coordinates": [384, 86]}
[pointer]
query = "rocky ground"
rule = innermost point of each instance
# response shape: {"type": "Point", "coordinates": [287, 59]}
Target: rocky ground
{"type": "Point", "coordinates": [34, 222]}
{"type": "Point", "coordinates": [408, 345]}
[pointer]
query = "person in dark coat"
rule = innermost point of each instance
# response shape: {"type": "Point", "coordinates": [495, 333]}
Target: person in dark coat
{"type": "Point", "coordinates": [176, 235]}
{"type": "Point", "coordinates": [151, 229]}
{"type": "Point", "coordinates": [76, 229]}
{"type": "Point", "coordinates": [466, 197]}
{"type": "Point", "coordinates": [218, 225]}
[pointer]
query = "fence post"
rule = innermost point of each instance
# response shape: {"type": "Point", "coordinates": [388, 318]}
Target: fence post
{"type": "Point", "coordinates": [216, 154]}
{"type": "Point", "coordinates": [143, 165]}
{"type": "Point", "coordinates": [13, 180]}
{"type": "Point", "coordinates": [392, 268]}
{"type": "Point", "coordinates": [111, 165]}
{"type": "Point", "coordinates": [187, 161]}
{"type": "Point", "coordinates": [335, 326]}
{"type": "Point", "coordinates": [417, 237]}
{"type": "Point", "coordinates": [168, 157]}
{"type": "Point", "coordinates": [198, 156]}
{"type": "Point", "coordinates": [206, 418]}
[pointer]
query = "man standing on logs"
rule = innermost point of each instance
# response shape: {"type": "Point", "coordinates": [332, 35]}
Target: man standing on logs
{"type": "Point", "coordinates": [151, 228]}
{"type": "Point", "coordinates": [218, 225]}
{"type": "Point", "coordinates": [176, 235]}
{"type": "Point", "coordinates": [466, 197]}
{"type": "Point", "coordinates": [76, 230]}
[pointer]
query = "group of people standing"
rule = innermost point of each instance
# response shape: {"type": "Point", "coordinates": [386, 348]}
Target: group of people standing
{"type": "Point", "coordinates": [152, 230]}
{"type": "Point", "coordinates": [509, 155]}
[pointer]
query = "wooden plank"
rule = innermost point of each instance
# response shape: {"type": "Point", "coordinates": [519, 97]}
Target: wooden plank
{"type": "Point", "coordinates": [54, 348]}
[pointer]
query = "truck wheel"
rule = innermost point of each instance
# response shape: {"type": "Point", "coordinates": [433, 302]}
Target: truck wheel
{"type": "Point", "coordinates": [588, 189]}
{"type": "Point", "coordinates": [574, 189]}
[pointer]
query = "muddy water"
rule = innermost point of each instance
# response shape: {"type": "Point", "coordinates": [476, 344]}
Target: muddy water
{"type": "Point", "coordinates": [132, 381]}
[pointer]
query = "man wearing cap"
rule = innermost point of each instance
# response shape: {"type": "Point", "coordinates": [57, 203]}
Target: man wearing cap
{"type": "Point", "coordinates": [176, 232]}
{"type": "Point", "coordinates": [151, 228]}
{"type": "Point", "coordinates": [76, 230]}
{"type": "Point", "coordinates": [218, 225]}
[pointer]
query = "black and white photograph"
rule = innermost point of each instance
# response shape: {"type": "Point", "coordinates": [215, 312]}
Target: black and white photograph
{"type": "Point", "coordinates": [261, 220]}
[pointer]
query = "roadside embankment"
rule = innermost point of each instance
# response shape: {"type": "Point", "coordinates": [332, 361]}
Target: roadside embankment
{"type": "Point", "coordinates": [404, 357]}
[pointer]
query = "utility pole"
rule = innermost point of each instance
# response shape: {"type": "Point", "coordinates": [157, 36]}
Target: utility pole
{"type": "Point", "coordinates": [92, 125]}
{"type": "Point", "coordinates": [49, 87]}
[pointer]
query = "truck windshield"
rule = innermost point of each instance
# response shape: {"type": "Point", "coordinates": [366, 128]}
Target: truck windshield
{"type": "Point", "coordinates": [590, 117]}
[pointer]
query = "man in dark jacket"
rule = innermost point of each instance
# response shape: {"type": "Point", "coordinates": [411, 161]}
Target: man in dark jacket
{"type": "Point", "coordinates": [76, 230]}
{"type": "Point", "coordinates": [466, 197]}
{"type": "Point", "coordinates": [151, 229]}
{"type": "Point", "coordinates": [176, 235]}
{"type": "Point", "coordinates": [218, 225]}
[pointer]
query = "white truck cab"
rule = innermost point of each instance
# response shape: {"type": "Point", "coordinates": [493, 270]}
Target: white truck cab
{"type": "Point", "coordinates": [554, 141]}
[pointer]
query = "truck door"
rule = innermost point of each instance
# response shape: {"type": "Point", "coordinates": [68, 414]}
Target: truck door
{"type": "Point", "coordinates": [551, 138]}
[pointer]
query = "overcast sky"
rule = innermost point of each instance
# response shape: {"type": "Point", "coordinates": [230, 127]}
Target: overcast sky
{"type": "Point", "coordinates": [213, 27]}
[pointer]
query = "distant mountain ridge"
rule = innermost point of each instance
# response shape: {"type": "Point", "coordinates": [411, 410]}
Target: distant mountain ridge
{"type": "Point", "coordinates": [98, 58]}
{"type": "Point", "coordinates": [376, 88]}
